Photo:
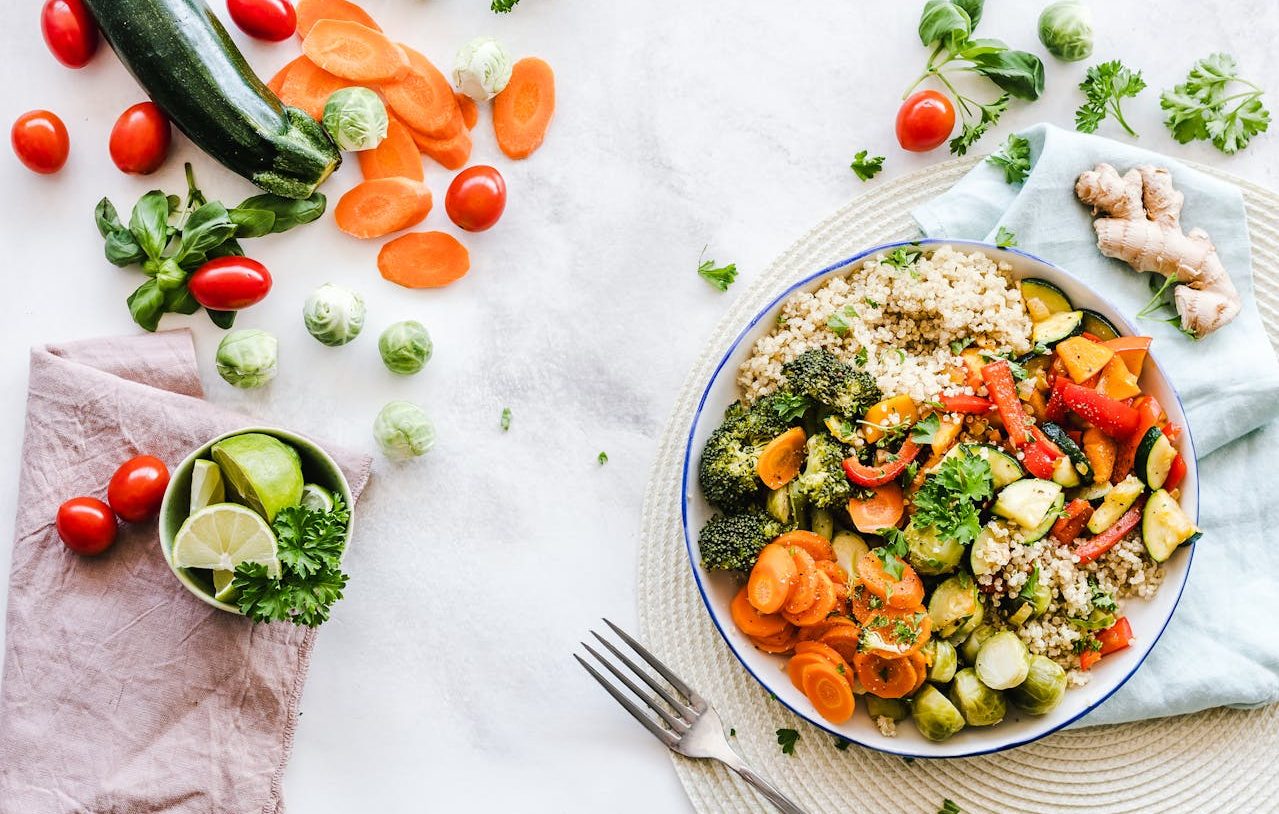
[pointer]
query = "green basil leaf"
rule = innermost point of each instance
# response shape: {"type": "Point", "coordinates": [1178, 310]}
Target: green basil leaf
{"type": "Point", "coordinates": [975, 48]}
{"type": "Point", "coordinates": [146, 304]}
{"type": "Point", "coordinates": [181, 301]}
{"type": "Point", "coordinates": [289, 212]}
{"type": "Point", "coordinates": [107, 219]}
{"type": "Point", "coordinates": [973, 9]}
{"type": "Point", "coordinates": [230, 248]}
{"type": "Point", "coordinates": [1019, 73]}
{"type": "Point", "coordinates": [252, 222]}
{"type": "Point", "coordinates": [122, 250]}
{"type": "Point", "coordinates": [206, 228]}
{"type": "Point", "coordinates": [170, 276]}
{"type": "Point", "coordinates": [149, 223]}
{"type": "Point", "coordinates": [943, 21]}
{"type": "Point", "coordinates": [222, 319]}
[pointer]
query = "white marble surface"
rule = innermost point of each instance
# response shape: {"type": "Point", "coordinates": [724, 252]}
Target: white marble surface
{"type": "Point", "coordinates": [444, 682]}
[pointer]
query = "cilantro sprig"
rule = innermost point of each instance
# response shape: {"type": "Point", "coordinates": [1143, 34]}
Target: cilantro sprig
{"type": "Point", "coordinates": [1005, 238]}
{"type": "Point", "coordinates": [786, 739]}
{"type": "Point", "coordinates": [719, 276]}
{"type": "Point", "coordinates": [1104, 87]}
{"type": "Point", "coordinates": [1215, 104]}
{"type": "Point", "coordinates": [866, 166]}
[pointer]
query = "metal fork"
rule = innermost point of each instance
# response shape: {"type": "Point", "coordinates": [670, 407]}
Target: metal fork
{"type": "Point", "coordinates": [692, 728]}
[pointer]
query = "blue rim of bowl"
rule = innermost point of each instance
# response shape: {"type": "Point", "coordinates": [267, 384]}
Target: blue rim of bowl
{"type": "Point", "coordinates": [688, 458]}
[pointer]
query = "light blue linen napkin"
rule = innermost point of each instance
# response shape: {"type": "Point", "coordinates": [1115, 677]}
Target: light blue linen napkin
{"type": "Point", "coordinates": [1222, 645]}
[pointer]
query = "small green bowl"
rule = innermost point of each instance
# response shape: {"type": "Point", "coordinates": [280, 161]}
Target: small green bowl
{"type": "Point", "coordinates": [317, 467]}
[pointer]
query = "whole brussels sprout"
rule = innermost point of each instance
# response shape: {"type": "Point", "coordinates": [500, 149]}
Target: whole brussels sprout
{"type": "Point", "coordinates": [403, 431]}
{"type": "Point", "coordinates": [355, 118]}
{"type": "Point", "coordinates": [1003, 661]}
{"type": "Point", "coordinates": [405, 347]}
{"type": "Point", "coordinates": [1065, 29]}
{"type": "Point", "coordinates": [929, 554]}
{"type": "Point", "coordinates": [334, 315]}
{"type": "Point", "coordinates": [1043, 689]}
{"type": "Point", "coordinates": [248, 358]}
{"type": "Point", "coordinates": [482, 68]}
{"type": "Point", "coordinates": [935, 717]}
{"type": "Point", "coordinates": [979, 704]}
{"type": "Point", "coordinates": [943, 660]}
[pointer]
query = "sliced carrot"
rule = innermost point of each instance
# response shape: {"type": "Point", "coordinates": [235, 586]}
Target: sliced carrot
{"type": "Point", "coordinates": [782, 642]}
{"type": "Point", "coordinates": [833, 570]}
{"type": "Point", "coordinates": [771, 579]}
{"type": "Point", "coordinates": [795, 667]}
{"type": "Point", "coordinates": [379, 207]}
{"type": "Point", "coordinates": [522, 111]}
{"type": "Point", "coordinates": [780, 459]}
{"type": "Point", "coordinates": [395, 157]}
{"type": "Point", "coordinates": [823, 604]}
{"type": "Point", "coordinates": [828, 653]}
{"type": "Point", "coordinates": [470, 111]}
{"type": "Point", "coordinates": [817, 546]}
{"type": "Point", "coordinates": [276, 83]}
{"type": "Point", "coordinates": [354, 51]}
{"type": "Point", "coordinates": [894, 632]}
{"type": "Point", "coordinates": [752, 622]}
{"type": "Point", "coordinates": [862, 603]}
{"type": "Point", "coordinates": [843, 640]}
{"type": "Point", "coordinates": [881, 510]}
{"type": "Point", "coordinates": [451, 153]}
{"type": "Point", "coordinates": [814, 633]}
{"type": "Point", "coordinates": [423, 260]}
{"type": "Point", "coordinates": [423, 98]}
{"type": "Point", "coordinates": [830, 692]}
{"type": "Point", "coordinates": [906, 592]}
{"type": "Point", "coordinates": [887, 678]}
{"type": "Point", "coordinates": [920, 664]}
{"type": "Point", "coordinates": [308, 86]}
{"type": "Point", "coordinates": [804, 592]}
{"type": "Point", "coordinates": [311, 12]}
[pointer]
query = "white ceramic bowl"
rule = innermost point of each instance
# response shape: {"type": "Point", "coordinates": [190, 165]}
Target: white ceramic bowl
{"type": "Point", "coordinates": [1148, 617]}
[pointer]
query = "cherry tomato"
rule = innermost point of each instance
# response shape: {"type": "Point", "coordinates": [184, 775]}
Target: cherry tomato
{"type": "Point", "coordinates": [476, 198]}
{"type": "Point", "coordinates": [86, 525]}
{"type": "Point", "coordinates": [69, 31]}
{"type": "Point", "coordinates": [230, 283]}
{"type": "Point", "coordinates": [140, 139]}
{"type": "Point", "coordinates": [272, 20]}
{"type": "Point", "coordinates": [925, 121]}
{"type": "Point", "coordinates": [137, 488]}
{"type": "Point", "coordinates": [40, 141]}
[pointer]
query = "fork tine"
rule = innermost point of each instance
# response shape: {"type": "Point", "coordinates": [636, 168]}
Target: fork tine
{"type": "Point", "coordinates": [680, 707]}
{"type": "Point", "coordinates": [696, 700]}
{"type": "Point", "coordinates": [665, 736]}
{"type": "Point", "coordinates": [679, 726]}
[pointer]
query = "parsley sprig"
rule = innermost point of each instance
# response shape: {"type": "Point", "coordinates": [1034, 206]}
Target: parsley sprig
{"type": "Point", "coordinates": [786, 739]}
{"type": "Point", "coordinates": [948, 499]}
{"type": "Point", "coordinates": [719, 276]}
{"type": "Point", "coordinates": [1104, 86]}
{"type": "Point", "coordinates": [1013, 158]}
{"type": "Point", "coordinates": [1005, 238]}
{"type": "Point", "coordinates": [865, 166]}
{"type": "Point", "coordinates": [1207, 107]}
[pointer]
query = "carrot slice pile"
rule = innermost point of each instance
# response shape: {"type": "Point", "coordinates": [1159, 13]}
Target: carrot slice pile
{"type": "Point", "coordinates": [424, 260]}
{"type": "Point", "coordinates": [470, 111]}
{"type": "Point", "coordinates": [522, 111]}
{"type": "Point", "coordinates": [771, 579]}
{"type": "Point", "coordinates": [311, 12]}
{"type": "Point", "coordinates": [379, 207]}
{"type": "Point", "coordinates": [308, 86]}
{"type": "Point", "coordinates": [395, 157]}
{"type": "Point", "coordinates": [753, 623]}
{"type": "Point", "coordinates": [353, 51]}
{"type": "Point", "coordinates": [423, 98]}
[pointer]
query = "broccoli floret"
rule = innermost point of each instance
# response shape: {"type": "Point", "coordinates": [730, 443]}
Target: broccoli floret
{"type": "Point", "coordinates": [823, 483]}
{"type": "Point", "coordinates": [732, 542]}
{"type": "Point", "coordinates": [816, 373]}
{"type": "Point", "coordinates": [727, 469]}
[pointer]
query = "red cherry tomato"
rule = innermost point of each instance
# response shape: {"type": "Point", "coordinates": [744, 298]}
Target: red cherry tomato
{"type": "Point", "coordinates": [925, 121]}
{"type": "Point", "coordinates": [140, 139]}
{"type": "Point", "coordinates": [69, 31]}
{"type": "Point", "coordinates": [86, 525]}
{"type": "Point", "coordinates": [272, 20]}
{"type": "Point", "coordinates": [40, 141]}
{"type": "Point", "coordinates": [137, 488]}
{"type": "Point", "coordinates": [230, 283]}
{"type": "Point", "coordinates": [476, 198]}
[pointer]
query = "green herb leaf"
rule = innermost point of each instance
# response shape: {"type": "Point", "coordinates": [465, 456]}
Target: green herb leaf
{"type": "Point", "coordinates": [866, 168]}
{"type": "Point", "coordinates": [149, 223]}
{"type": "Point", "coordinates": [842, 744]}
{"type": "Point", "coordinates": [973, 131]}
{"type": "Point", "coordinates": [719, 276]}
{"type": "Point", "coordinates": [957, 346]}
{"type": "Point", "coordinates": [1206, 107]}
{"type": "Point", "coordinates": [841, 321]}
{"type": "Point", "coordinates": [222, 319]}
{"type": "Point", "coordinates": [949, 499]}
{"type": "Point", "coordinates": [287, 212]}
{"type": "Point", "coordinates": [505, 421]}
{"type": "Point", "coordinates": [901, 257]}
{"type": "Point", "coordinates": [146, 305]}
{"type": "Point", "coordinates": [925, 430]}
{"type": "Point", "coordinates": [948, 807]}
{"type": "Point", "coordinates": [206, 228]}
{"type": "Point", "coordinates": [1013, 158]}
{"type": "Point", "coordinates": [502, 6]}
{"type": "Point", "coordinates": [943, 21]}
{"type": "Point", "coordinates": [251, 222]}
{"type": "Point", "coordinates": [1032, 584]}
{"type": "Point", "coordinates": [1104, 86]}
{"type": "Point", "coordinates": [861, 357]}
{"type": "Point", "coordinates": [790, 406]}
{"type": "Point", "coordinates": [1019, 73]}
{"type": "Point", "coordinates": [1005, 238]}
{"type": "Point", "coordinates": [786, 739]}
{"type": "Point", "coordinates": [972, 8]}
{"type": "Point", "coordinates": [602, 458]}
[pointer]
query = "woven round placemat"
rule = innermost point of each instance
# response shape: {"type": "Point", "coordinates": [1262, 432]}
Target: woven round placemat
{"type": "Point", "coordinates": [1221, 760]}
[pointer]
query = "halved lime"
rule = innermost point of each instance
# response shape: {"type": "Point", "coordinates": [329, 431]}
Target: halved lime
{"type": "Point", "coordinates": [316, 498]}
{"type": "Point", "coordinates": [264, 472]}
{"type": "Point", "coordinates": [222, 590]}
{"type": "Point", "coordinates": [207, 486]}
{"type": "Point", "coordinates": [221, 536]}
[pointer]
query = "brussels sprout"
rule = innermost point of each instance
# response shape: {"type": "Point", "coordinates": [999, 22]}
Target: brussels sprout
{"type": "Point", "coordinates": [1043, 689]}
{"type": "Point", "coordinates": [936, 718]}
{"type": "Point", "coordinates": [972, 645]}
{"type": "Point", "coordinates": [1065, 29]}
{"type": "Point", "coordinates": [952, 603]}
{"type": "Point", "coordinates": [355, 118]}
{"type": "Point", "coordinates": [822, 523]}
{"type": "Point", "coordinates": [930, 554]}
{"type": "Point", "coordinates": [849, 548]}
{"type": "Point", "coordinates": [405, 347]}
{"type": "Point", "coordinates": [970, 624]}
{"type": "Point", "coordinates": [403, 431]}
{"type": "Point", "coordinates": [1003, 661]}
{"type": "Point", "coordinates": [482, 68]}
{"type": "Point", "coordinates": [979, 704]}
{"type": "Point", "coordinates": [334, 315]}
{"type": "Point", "coordinates": [941, 654]}
{"type": "Point", "coordinates": [248, 358]}
{"type": "Point", "coordinates": [894, 708]}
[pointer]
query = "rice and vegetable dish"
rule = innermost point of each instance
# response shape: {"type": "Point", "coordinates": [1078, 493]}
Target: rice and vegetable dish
{"type": "Point", "coordinates": [940, 487]}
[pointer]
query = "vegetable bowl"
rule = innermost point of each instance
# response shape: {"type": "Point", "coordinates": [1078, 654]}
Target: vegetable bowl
{"type": "Point", "coordinates": [939, 499]}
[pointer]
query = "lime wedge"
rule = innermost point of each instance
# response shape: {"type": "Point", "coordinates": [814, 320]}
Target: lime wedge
{"type": "Point", "coordinates": [222, 590]}
{"type": "Point", "coordinates": [263, 472]}
{"type": "Point", "coordinates": [316, 498]}
{"type": "Point", "coordinates": [221, 536]}
{"type": "Point", "coordinates": [206, 485]}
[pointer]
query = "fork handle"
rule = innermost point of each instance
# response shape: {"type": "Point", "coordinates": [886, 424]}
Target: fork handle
{"type": "Point", "coordinates": [767, 789]}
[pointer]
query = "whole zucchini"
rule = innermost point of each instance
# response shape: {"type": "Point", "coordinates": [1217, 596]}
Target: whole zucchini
{"type": "Point", "coordinates": [183, 58]}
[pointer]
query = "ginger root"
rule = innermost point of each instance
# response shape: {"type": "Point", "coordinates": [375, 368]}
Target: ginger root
{"type": "Point", "coordinates": [1142, 227]}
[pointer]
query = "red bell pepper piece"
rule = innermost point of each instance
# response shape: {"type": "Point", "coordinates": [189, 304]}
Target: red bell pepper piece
{"type": "Point", "coordinates": [1094, 547]}
{"type": "Point", "coordinates": [1176, 473]}
{"type": "Point", "coordinates": [972, 405]}
{"type": "Point", "coordinates": [871, 476]}
{"type": "Point", "coordinates": [1148, 415]}
{"type": "Point", "coordinates": [1172, 430]}
{"type": "Point", "coordinates": [1066, 530]}
{"type": "Point", "coordinates": [1112, 417]}
{"type": "Point", "coordinates": [1088, 658]}
{"type": "Point", "coordinates": [1055, 410]}
{"type": "Point", "coordinates": [1040, 455]}
{"type": "Point", "coordinates": [998, 377]}
{"type": "Point", "coordinates": [1116, 637]}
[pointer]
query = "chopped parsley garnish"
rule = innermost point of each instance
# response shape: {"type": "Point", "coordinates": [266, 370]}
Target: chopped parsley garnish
{"type": "Point", "coordinates": [1100, 599]}
{"type": "Point", "coordinates": [719, 276]}
{"type": "Point", "coordinates": [842, 744]}
{"type": "Point", "coordinates": [1005, 238]}
{"type": "Point", "coordinates": [870, 302]}
{"type": "Point", "coordinates": [948, 807]}
{"type": "Point", "coordinates": [840, 321]}
{"type": "Point", "coordinates": [786, 739]}
{"type": "Point", "coordinates": [602, 458]}
{"type": "Point", "coordinates": [506, 419]}
{"type": "Point", "coordinates": [865, 165]}
{"type": "Point", "coordinates": [925, 430]}
{"type": "Point", "coordinates": [948, 499]}
{"type": "Point", "coordinates": [957, 346]}
{"type": "Point", "coordinates": [891, 555]}
{"type": "Point", "coordinates": [1032, 584]}
{"type": "Point", "coordinates": [790, 406]}
{"type": "Point", "coordinates": [861, 357]}
{"type": "Point", "coordinates": [901, 257]}
{"type": "Point", "coordinates": [1088, 642]}
{"type": "Point", "coordinates": [1013, 158]}
{"type": "Point", "coordinates": [732, 733]}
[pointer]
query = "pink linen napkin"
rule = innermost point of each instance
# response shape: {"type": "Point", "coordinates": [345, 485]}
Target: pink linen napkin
{"type": "Point", "coordinates": [122, 693]}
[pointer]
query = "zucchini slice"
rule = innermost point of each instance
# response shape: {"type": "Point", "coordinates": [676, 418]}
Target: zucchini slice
{"type": "Point", "coordinates": [1065, 474]}
{"type": "Point", "coordinates": [1067, 445]}
{"type": "Point", "coordinates": [1118, 500]}
{"type": "Point", "coordinates": [1164, 526]}
{"type": "Point", "coordinates": [1004, 468]}
{"type": "Point", "coordinates": [1053, 298]}
{"type": "Point", "coordinates": [1094, 491]}
{"type": "Point", "coordinates": [1155, 455]}
{"type": "Point", "coordinates": [1099, 326]}
{"type": "Point", "coordinates": [1057, 327]}
{"type": "Point", "coordinates": [1041, 531]}
{"type": "Point", "coordinates": [1027, 502]}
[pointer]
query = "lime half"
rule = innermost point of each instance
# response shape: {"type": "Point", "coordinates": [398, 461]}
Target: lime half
{"type": "Point", "coordinates": [317, 498]}
{"type": "Point", "coordinates": [221, 536]}
{"type": "Point", "coordinates": [222, 590]}
{"type": "Point", "coordinates": [263, 472]}
{"type": "Point", "coordinates": [207, 486]}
